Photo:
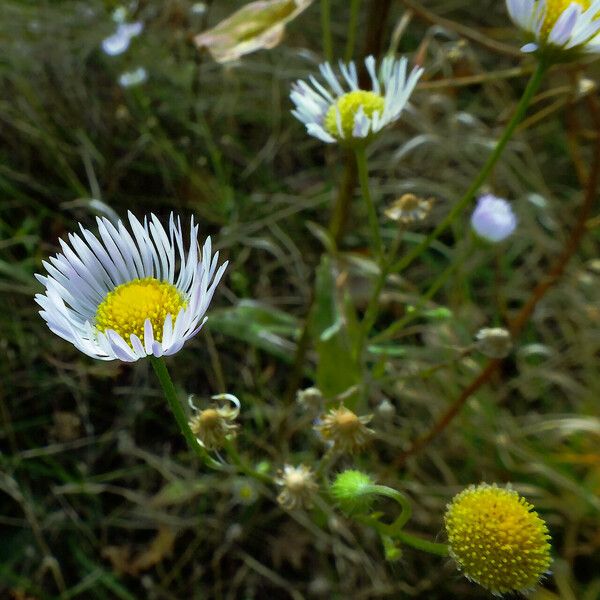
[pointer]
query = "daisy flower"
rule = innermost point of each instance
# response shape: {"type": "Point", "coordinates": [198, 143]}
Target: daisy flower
{"type": "Point", "coordinates": [333, 114]}
{"type": "Point", "coordinates": [558, 24]}
{"type": "Point", "coordinates": [129, 294]}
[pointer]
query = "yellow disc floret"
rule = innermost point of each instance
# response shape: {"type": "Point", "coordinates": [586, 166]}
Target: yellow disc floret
{"type": "Point", "coordinates": [347, 106]}
{"type": "Point", "coordinates": [127, 307]}
{"type": "Point", "coordinates": [555, 8]}
{"type": "Point", "coordinates": [497, 539]}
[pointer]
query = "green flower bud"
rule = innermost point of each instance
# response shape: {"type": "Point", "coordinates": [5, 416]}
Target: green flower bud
{"type": "Point", "coordinates": [353, 491]}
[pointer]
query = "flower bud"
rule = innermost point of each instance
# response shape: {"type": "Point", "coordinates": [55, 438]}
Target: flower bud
{"type": "Point", "coordinates": [493, 219]}
{"type": "Point", "coordinates": [353, 492]}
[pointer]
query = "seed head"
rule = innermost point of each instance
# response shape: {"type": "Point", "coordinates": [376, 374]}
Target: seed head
{"type": "Point", "coordinates": [213, 426]}
{"type": "Point", "coordinates": [298, 487]}
{"type": "Point", "coordinates": [409, 209]}
{"type": "Point", "coordinates": [345, 430]}
{"type": "Point", "coordinates": [494, 342]}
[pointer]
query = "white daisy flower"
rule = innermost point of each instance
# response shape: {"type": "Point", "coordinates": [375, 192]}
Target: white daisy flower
{"type": "Point", "coordinates": [124, 296]}
{"type": "Point", "coordinates": [335, 115]}
{"type": "Point", "coordinates": [558, 24]}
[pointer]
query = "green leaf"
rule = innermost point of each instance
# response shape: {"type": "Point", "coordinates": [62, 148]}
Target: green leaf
{"type": "Point", "coordinates": [337, 368]}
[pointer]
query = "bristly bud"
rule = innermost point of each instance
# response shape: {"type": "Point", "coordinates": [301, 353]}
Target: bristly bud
{"type": "Point", "coordinates": [299, 487]}
{"type": "Point", "coordinates": [409, 209]}
{"type": "Point", "coordinates": [346, 431]}
{"type": "Point", "coordinates": [353, 492]}
{"type": "Point", "coordinates": [214, 425]}
{"type": "Point", "coordinates": [494, 342]}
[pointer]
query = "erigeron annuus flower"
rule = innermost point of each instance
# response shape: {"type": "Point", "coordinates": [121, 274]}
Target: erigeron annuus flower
{"type": "Point", "coordinates": [334, 114]}
{"type": "Point", "coordinates": [497, 539]}
{"type": "Point", "coordinates": [563, 25]}
{"type": "Point", "coordinates": [126, 295]}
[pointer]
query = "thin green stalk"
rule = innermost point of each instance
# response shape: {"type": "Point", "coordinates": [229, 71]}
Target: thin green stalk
{"type": "Point", "coordinates": [160, 368]}
{"type": "Point", "coordinates": [402, 500]}
{"type": "Point", "coordinates": [363, 177]}
{"type": "Point", "coordinates": [532, 86]}
{"type": "Point", "coordinates": [326, 29]}
{"type": "Point", "coordinates": [236, 459]}
{"type": "Point", "coordinates": [421, 544]}
{"type": "Point", "coordinates": [440, 280]}
{"type": "Point", "coordinates": [352, 23]}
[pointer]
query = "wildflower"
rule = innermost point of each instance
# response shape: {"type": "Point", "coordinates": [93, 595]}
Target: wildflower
{"type": "Point", "coordinates": [119, 295]}
{"type": "Point", "coordinates": [213, 426]}
{"type": "Point", "coordinates": [119, 41]}
{"type": "Point", "coordinates": [558, 25]}
{"type": "Point", "coordinates": [133, 78]}
{"type": "Point", "coordinates": [353, 492]}
{"type": "Point", "coordinates": [497, 539]}
{"type": "Point", "coordinates": [351, 117]}
{"type": "Point", "coordinates": [494, 342]}
{"type": "Point", "coordinates": [299, 487]}
{"type": "Point", "coordinates": [244, 491]}
{"type": "Point", "coordinates": [346, 431]}
{"type": "Point", "coordinates": [409, 209]}
{"type": "Point", "coordinates": [493, 219]}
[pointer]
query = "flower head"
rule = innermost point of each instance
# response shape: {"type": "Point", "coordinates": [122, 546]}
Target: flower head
{"type": "Point", "coordinates": [497, 539]}
{"type": "Point", "coordinates": [122, 295]}
{"type": "Point", "coordinates": [299, 487]}
{"type": "Point", "coordinates": [409, 209]}
{"type": "Point", "coordinates": [213, 426]}
{"type": "Point", "coordinates": [558, 25]}
{"type": "Point", "coordinates": [493, 219]}
{"type": "Point", "coordinates": [333, 114]}
{"type": "Point", "coordinates": [345, 430]}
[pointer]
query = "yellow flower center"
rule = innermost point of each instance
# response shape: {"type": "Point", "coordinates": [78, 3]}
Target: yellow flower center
{"type": "Point", "coordinates": [555, 8]}
{"type": "Point", "coordinates": [497, 539]}
{"type": "Point", "coordinates": [127, 307]}
{"type": "Point", "coordinates": [348, 106]}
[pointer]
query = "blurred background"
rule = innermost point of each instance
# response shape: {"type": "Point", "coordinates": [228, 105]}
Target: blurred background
{"type": "Point", "coordinates": [99, 496]}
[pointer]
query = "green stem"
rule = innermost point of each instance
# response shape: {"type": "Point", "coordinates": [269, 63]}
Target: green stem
{"type": "Point", "coordinates": [421, 544]}
{"type": "Point", "coordinates": [354, 10]}
{"type": "Point", "coordinates": [532, 86]}
{"type": "Point", "coordinates": [441, 279]}
{"type": "Point", "coordinates": [363, 177]}
{"type": "Point", "coordinates": [403, 501]}
{"type": "Point", "coordinates": [160, 368]}
{"type": "Point", "coordinates": [326, 29]}
{"type": "Point", "coordinates": [236, 459]}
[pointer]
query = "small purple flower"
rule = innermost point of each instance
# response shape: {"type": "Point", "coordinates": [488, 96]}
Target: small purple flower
{"type": "Point", "coordinates": [119, 41]}
{"type": "Point", "coordinates": [493, 219]}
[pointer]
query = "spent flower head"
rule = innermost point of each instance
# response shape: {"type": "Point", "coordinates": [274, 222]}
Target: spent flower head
{"type": "Point", "coordinates": [409, 208]}
{"type": "Point", "coordinates": [497, 539]}
{"type": "Point", "coordinates": [558, 28]}
{"type": "Point", "coordinates": [299, 487]}
{"type": "Point", "coordinates": [121, 295]}
{"type": "Point", "coordinates": [213, 426]}
{"type": "Point", "coordinates": [494, 342]}
{"type": "Point", "coordinates": [345, 430]}
{"type": "Point", "coordinates": [353, 116]}
{"type": "Point", "coordinates": [493, 218]}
